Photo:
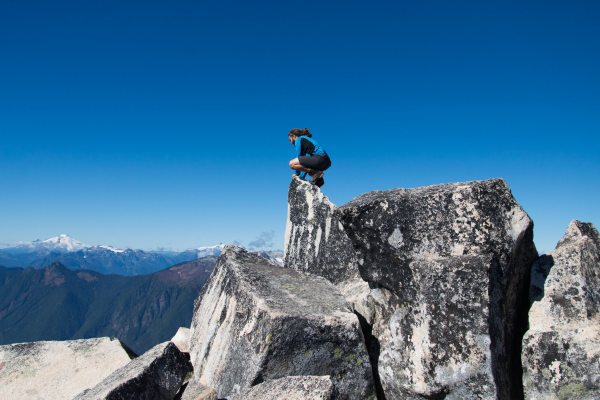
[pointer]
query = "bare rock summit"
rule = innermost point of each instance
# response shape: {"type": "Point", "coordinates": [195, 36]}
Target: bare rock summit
{"type": "Point", "coordinates": [448, 267]}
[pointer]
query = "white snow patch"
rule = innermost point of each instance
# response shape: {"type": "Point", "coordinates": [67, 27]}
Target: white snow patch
{"type": "Point", "coordinates": [113, 249]}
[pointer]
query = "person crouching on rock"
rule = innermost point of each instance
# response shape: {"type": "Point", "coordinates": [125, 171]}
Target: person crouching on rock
{"type": "Point", "coordinates": [312, 158]}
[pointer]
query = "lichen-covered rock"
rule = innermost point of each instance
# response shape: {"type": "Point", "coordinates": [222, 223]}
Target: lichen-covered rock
{"type": "Point", "coordinates": [182, 339]}
{"type": "Point", "coordinates": [449, 266]}
{"type": "Point", "coordinates": [255, 321]}
{"type": "Point", "coordinates": [437, 342]}
{"type": "Point", "coordinates": [195, 391]}
{"type": "Point", "coordinates": [316, 243]}
{"type": "Point", "coordinates": [561, 350]}
{"type": "Point", "coordinates": [58, 369]}
{"type": "Point", "coordinates": [156, 375]}
{"type": "Point", "coordinates": [291, 388]}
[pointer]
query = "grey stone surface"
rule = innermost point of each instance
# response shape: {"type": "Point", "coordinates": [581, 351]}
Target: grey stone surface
{"type": "Point", "coordinates": [291, 388]}
{"type": "Point", "coordinates": [437, 342]}
{"type": "Point", "coordinates": [182, 339]}
{"type": "Point", "coordinates": [58, 369]}
{"type": "Point", "coordinates": [157, 374]}
{"type": "Point", "coordinates": [255, 321]}
{"type": "Point", "coordinates": [449, 270]}
{"type": "Point", "coordinates": [561, 350]}
{"type": "Point", "coordinates": [316, 243]}
{"type": "Point", "coordinates": [195, 391]}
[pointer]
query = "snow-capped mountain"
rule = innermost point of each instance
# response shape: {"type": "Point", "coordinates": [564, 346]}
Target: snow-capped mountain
{"type": "Point", "coordinates": [63, 243]}
{"type": "Point", "coordinates": [57, 244]}
{"type": "Point", "coordinates": [209, 251]}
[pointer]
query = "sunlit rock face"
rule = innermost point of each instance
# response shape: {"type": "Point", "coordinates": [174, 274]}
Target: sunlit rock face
{"type": "Point", "coordinates": [291, 388]}
{"type": "Point", "coordinates": [54, 370]}
{"type": "Point", "coordinates": [195, 391]}
{"type": "Point", "coordinates": [449, 270]}
{"type": "Point", "coordinates": [255, 321]}
{"type": "Point", "coordinates": [182, 340]}
{"type": "Point", "coordinates": [561, 350]}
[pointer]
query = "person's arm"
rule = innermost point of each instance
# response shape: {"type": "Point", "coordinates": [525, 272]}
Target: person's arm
{"type": "Point", "coordinates": [298, 146]}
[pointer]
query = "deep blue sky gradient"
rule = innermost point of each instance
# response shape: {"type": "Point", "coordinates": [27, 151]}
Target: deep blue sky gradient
{"type": "Point", "coordinates": [164, 124]}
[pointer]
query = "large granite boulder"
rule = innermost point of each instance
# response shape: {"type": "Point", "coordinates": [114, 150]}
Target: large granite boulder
{"type": "Point", "coordinates": [316, 243]}
{"type": "Point", "coordinates": [255, 321]}
{"type": "Point", "coordinates": [561, 350]}
{"type": "Point", "coordinates": [449, 270]}
{"type": "Point", "coordinates": [156, 375]}
{"type": "Point", "coordinates": [58, 370]}
{"type": "Point", "coordinates": [291, 388]}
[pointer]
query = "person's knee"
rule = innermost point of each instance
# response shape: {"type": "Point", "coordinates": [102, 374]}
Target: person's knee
{"type": "Point", "coordinates": [292, 164]}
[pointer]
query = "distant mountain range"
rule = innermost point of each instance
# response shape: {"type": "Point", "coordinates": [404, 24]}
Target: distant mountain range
{"type": "Point", "coordinates": [57, 303]}
{"type": "Point", "coordinates": [76, 255]}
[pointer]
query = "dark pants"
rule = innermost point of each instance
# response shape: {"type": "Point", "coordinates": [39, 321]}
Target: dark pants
{"type": "Point", "coordinates": [317, 163]}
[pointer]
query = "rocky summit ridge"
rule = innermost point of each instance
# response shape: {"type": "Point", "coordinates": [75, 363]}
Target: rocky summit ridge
{"type": "Point", "coordinates": [425, 293]}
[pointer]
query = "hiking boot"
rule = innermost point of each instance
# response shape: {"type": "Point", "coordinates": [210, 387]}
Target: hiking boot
{"type": "Point", "coordinates": [316, 176]}
{"type": "Point", "coordinates": [320, 182]}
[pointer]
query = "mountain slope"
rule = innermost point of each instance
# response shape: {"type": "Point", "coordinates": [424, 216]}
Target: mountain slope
{"type": "Point", "coordinates": [56, 303]}
{"type": "Point", "coordinates": [9, 259]}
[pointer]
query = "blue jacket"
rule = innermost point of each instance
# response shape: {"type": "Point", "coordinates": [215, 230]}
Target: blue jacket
{"type": "Point", "coordinates": [306, 146]}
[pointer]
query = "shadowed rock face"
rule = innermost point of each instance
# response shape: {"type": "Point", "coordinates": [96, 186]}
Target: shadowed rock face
{"type": "Point", "coordinates": [291, 388]}
{"type": "Point", "coordinates": [254, 322]}
{"type": "Point", "coordinates": [449, 266]}
{"type": "Point", "coordinates": [315, 241]}
{"type": "Point", "coordinates": [156, 375]}
{"type": "Point", "coordinates": [58, 370]}
{"type": "Point", "coordinates": [561, 350]}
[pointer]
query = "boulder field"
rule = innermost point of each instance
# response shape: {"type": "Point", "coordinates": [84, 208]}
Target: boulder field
{"type": "Point", "coordinates": [427, 293]}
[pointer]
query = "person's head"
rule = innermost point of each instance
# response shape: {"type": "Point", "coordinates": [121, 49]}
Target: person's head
{"type": "Point", "coordinates": [296, 133]}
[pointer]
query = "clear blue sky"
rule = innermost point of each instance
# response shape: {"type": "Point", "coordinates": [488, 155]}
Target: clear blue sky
{"type": "Point", "coordinates": [164, 124]}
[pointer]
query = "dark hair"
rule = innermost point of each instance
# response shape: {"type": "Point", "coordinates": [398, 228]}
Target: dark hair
{"type": "Point", "coordinates": [300, 132]}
